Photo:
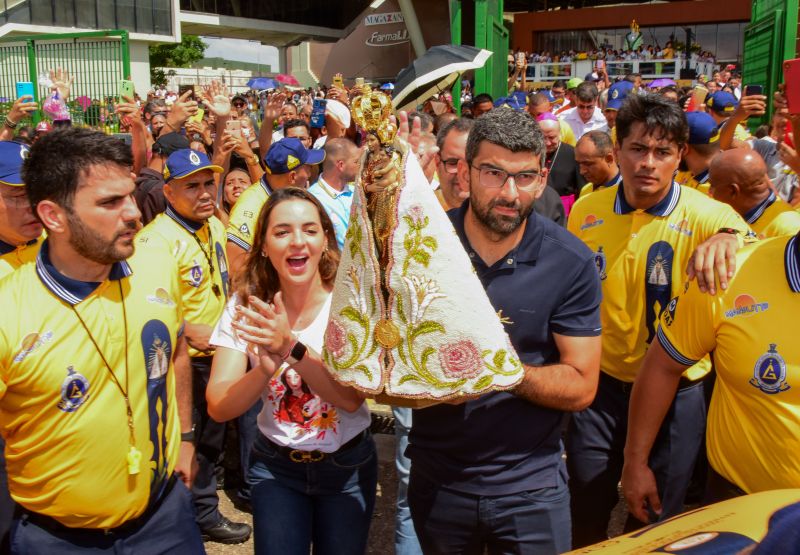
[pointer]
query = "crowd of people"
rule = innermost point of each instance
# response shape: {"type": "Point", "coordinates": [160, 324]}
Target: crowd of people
{"type": "Point", "coordinates": [640, 245]}
{"type": "Point", "coordinates": [644, 52]}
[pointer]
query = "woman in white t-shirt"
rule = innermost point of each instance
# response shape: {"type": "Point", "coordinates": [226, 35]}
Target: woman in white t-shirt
{"type": "Point", "coordinates": [313, 465]}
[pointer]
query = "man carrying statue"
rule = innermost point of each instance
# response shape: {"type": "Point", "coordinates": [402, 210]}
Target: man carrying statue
{"type": "Point", "coordinates": [493, 359]}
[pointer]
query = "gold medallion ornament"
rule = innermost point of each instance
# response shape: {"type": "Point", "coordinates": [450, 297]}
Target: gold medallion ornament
{"type": "Point", "coordinates": [387, 334]}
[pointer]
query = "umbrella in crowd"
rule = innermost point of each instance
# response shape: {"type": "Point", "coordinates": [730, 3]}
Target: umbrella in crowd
{"type": "Point", "coordinates": [286, 79]}
{"type": "Point", "coordinates": [664, 82]}
{"type": "Point", "coordinates": [433, 72]}
{"type": "Point", "coordinates": [262, 83]}
{"type": "Point", "coordinates": [387, 87]}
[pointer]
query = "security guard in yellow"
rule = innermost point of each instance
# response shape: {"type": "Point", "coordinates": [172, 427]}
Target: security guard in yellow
{"type": "Point", "coordinates": [702, 147]}
{"type": "Point", "coordinates": [739, 178]}
{"type": "Point", "coordinates": [752, 437]}
{"type": "Point", "coordinates": [20, 229]}
{"type": "Point", "coordinates": [95, 390]}
{"type": "Point", "coordinates": [287, 163]}
{"type": "Point", "coordinates": [643, 232]}
{"type": "Point", "coordinates": [196, 241]}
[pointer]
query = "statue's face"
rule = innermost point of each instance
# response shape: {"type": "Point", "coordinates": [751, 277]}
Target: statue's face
{"type": "Point", "coordinates": [373, 144]}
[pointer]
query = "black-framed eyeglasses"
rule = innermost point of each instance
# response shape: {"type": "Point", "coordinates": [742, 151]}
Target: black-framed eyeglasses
{"type": "Point", "coordinates": [494, 178]}
{"type": "Point", "coordinates": [450, 165]}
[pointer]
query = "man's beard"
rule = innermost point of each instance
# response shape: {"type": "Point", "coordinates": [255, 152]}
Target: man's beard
{"type": "Point", "coordinates": [90, 245]}
{"type": "Point", "coordinates": [502, 225]}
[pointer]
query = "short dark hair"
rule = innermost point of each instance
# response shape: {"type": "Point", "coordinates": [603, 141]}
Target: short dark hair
{"type": "Point", "coordinates": [559, 83]}
{"type": "Point", "coordinates": [601, 141]}
{"type": "Point", "coordinates": [296, 122]}
{"type": "Point", "coordinates": [587, 92]}
{"type": "Point", "coordinates": [425, 120]}
{"type": "Point", "coordinates": [631, 77]}
{"type": "Point", "coordinates": [58, 161]}
{"type": "Point", "coordinates": [515, 131]}
{"type": "Point", "coordinates": [660, 116]}
{"type": "Point", "coordinates": [537, 98]}
{"type": "Point", "coordinates": [462, 125]}
{"type": "Point", "coordinates": [709, 149]}
{"type": "Point", "coordinates": [481, 98]}
{"type": "Point", "coordinates": [151, 106]}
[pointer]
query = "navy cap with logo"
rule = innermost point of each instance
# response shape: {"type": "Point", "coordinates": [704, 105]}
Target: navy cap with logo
{"type": "Point", "coordinates": [11, 157]}
{"type": "Point", "coordinates": [722, 102]}
{"type": "Point", "coordinates": [183, 163]}
{"type": "Point", "coordinates": [703, 129]}
{"type": "Point", "coordinates": [617, 94]}
{"type": "Point", "coordinates": [288, 154]}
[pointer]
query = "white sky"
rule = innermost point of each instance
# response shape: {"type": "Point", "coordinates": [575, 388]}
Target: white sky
{"type": "Point", "coordinates": [241, 51]}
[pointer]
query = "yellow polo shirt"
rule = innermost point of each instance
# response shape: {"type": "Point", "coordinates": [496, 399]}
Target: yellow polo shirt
{"type": "Point", "coordinates": [244, 215]}
{"type": "Point", "coordinates": [642, 257]}
{"type": "Point", "coordinates": [773, 217]}
{"type": "Point", "coordinates": [754, 418]}
{"type": "Point", "coordinates": [699, 182]}
{"type": "Point", "coordinates": [199, 281]}
{"type": "Point", "coordinates": [12, 257]}
{"type": "Point", "coordinates": [63, 418]}
{"type": "Point", "coordinates": [590, 188]}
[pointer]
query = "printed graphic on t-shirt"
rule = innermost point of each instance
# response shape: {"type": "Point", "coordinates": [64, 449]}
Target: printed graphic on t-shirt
{"type": "Point", "coordinates": [297, 410]}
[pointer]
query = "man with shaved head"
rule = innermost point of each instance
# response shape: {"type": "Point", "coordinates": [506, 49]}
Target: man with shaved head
{"type": "Point", "coordinates": [564, 176]}
{"type": "Point", "coordinates": [739, 178]}
{"type": "Point", "coordinates": [594, 155]}
{"type": "Point", "coordinates": [334, 188]}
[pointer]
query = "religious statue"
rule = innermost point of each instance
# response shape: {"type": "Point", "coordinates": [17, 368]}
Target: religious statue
{"type": "Point", "coordinates": [410, 322]}
{"type": "Point", "coordinates": [633, 40]}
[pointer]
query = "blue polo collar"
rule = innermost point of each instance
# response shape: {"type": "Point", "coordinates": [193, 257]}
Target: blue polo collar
{"type": "Point", "coordinates": [526, 251]}
{"type": "Point", "coordinates": [616, 180]}
{"type": "Point", "coordinates": [69, 290]}
{"type": "Point", "coordinates": [664, 207]}
{"type": "Point", "coordinates": [792, 262]}
{"type": "Point", "coordinates": [189, 225]}
{"type": "Point", "coordinates": [757, 211]}
{"type": "Point", "coordinates": [6, 248]}
{"type": "Point", "coordinates": [265, 185]}
{"type": "Point", "coordinates": [701, 177]}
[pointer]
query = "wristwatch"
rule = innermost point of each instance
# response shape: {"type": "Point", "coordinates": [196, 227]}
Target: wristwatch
{"type": "Point", "coordinates": [297, 353]}
{"type": "Point", "coordinates": [191, 435]}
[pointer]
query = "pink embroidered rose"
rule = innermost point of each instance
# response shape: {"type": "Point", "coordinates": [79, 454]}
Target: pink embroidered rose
{"type": "Point", "coordinates": [461, 359]}
{"type": "Point", "coordinates": [416, 214]}
{"type": "Point", "coordinates": [335, 338]}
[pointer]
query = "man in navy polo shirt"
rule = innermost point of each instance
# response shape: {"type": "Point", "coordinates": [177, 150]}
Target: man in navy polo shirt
{"type": "Point", "coordinates": [488, 473]}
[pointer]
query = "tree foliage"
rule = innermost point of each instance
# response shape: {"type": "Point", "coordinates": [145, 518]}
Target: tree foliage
{"type": "Point", "coordinates": [184, 54]}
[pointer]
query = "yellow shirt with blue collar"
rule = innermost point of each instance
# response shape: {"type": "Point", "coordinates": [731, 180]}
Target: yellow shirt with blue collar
{"type": "Point", "coordinates": [244, 215]}
{"type": "Point", "coordinates": [12, 257]}
{"type": "Point", "coordinates": [641, 256]}
{"type": "Point", "coordinates": [698, 182]}
{"type": "Point", "coordinates": [337, 204]}
{"type": "Point", "coordinates": [62, 416]}
{"type": "Point", "coordinates": [203, 283]}
{"type": "Point", "coordinates": [590, 188]}
{"type": "Point", "coordinates": [773, 217]}
{"type": "Point", "coordinates": [751, 435]}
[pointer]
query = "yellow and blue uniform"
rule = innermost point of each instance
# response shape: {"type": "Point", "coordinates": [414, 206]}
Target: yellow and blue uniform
{"type": "Point", "coordinates": [62, 416]}
{"type": "Point", "coordinates": [752, 434]}
{"type": "Point", "coordinates": [244, 216]}
{"type": "Point", "coordinates": [590, 188]}
{"type": "Point", "coordinates": [773, 217]}
{"type": "Point", "coordinates": [642, 257]}
{"type": "Point", "coordinates": [198, 283]}
{"type": "Point", "coordinates": [12, 257]}
{"type": "Point", "coordinates": [698, 182]}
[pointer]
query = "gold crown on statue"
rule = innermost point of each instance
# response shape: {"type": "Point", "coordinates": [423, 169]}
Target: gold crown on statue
{"type": "Point", "coordinates": [371, 111]}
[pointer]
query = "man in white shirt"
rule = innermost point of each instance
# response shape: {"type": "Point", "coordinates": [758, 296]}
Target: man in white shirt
{"type": "Point", "coordinates": [586, 115]}
{"type": "Point", "coordinates": [334, 189]}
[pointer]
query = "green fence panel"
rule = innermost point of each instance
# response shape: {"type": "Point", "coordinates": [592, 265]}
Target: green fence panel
{"type": "Point", "coordinates": [96, 60]}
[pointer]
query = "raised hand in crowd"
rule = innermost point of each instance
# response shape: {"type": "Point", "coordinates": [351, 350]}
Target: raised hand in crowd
{"type": "Point", "coordinates": [130, 115]}
{"type": "Point", "coordinates": [216, 99]}
{"type": "Point", "coordinates": [412, 134]}
{"type": "Point", "coordinates": [22, 108]}
{"type": "Point", "coordinates": [272, 110]}
{"type": "Point", "coordinates": [753, 105]}
{"type": "Point", "coordinates": [182, 109]}
{"type": "Point", "coordinates": [61, 82]}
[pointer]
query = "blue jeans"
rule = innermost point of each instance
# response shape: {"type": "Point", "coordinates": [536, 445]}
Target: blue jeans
{"type": "Point", "coordinates": [327, 503]}
{"type": "Point", "coordinates": [248, 431]}
{"type": "Point", "coordinates": [170, 530]}
{"type": "Point", "coordinates": [530, 522]}
{"type": "Point", "coordinates": [405, 539]}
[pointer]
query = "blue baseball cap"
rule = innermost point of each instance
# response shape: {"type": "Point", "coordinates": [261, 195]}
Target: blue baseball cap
{"type": "Point", "coordinates": [722, 102]}
{"type": "Point", "coordinates": [510, 101]}
{"type": "Point", "coordinates": [11, 157]}
{"type": "Point", "coordinates": [287, 154]}
{"type": "Point", "coordinates": [617, 93]}
{"type": "Point", "coordinates": [185, 162]}
{"type": "Point", "coordinates": [703, 129]}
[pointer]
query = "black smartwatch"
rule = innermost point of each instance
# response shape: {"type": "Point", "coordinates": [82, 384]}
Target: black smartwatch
{"type": "Point", "coordinates": [297, 353]}
{"type": "Point", "coordinates": [189, 436]}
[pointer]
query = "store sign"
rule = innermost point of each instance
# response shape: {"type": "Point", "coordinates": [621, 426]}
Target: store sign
{"type": "Point", "coordinates": [388, 39]}
{"type": "Point", "coordinates": [384, 18]}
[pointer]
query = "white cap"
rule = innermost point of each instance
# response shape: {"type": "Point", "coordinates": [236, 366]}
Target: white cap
{"type": "Point", "coordinates": [339, 111]}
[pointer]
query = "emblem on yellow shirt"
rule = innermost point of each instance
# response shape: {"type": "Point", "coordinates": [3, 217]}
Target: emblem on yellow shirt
{"type": "Point", "coordinates": [600, 262]}
{"type": "Point", "coordinates": [74, 391]}
{"type": "Point", "coordinates": [591, 221]}
{"type": "Point", "coordinates": [32, 342]}
{"type": "Point", "coordinates": [769, 373]}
